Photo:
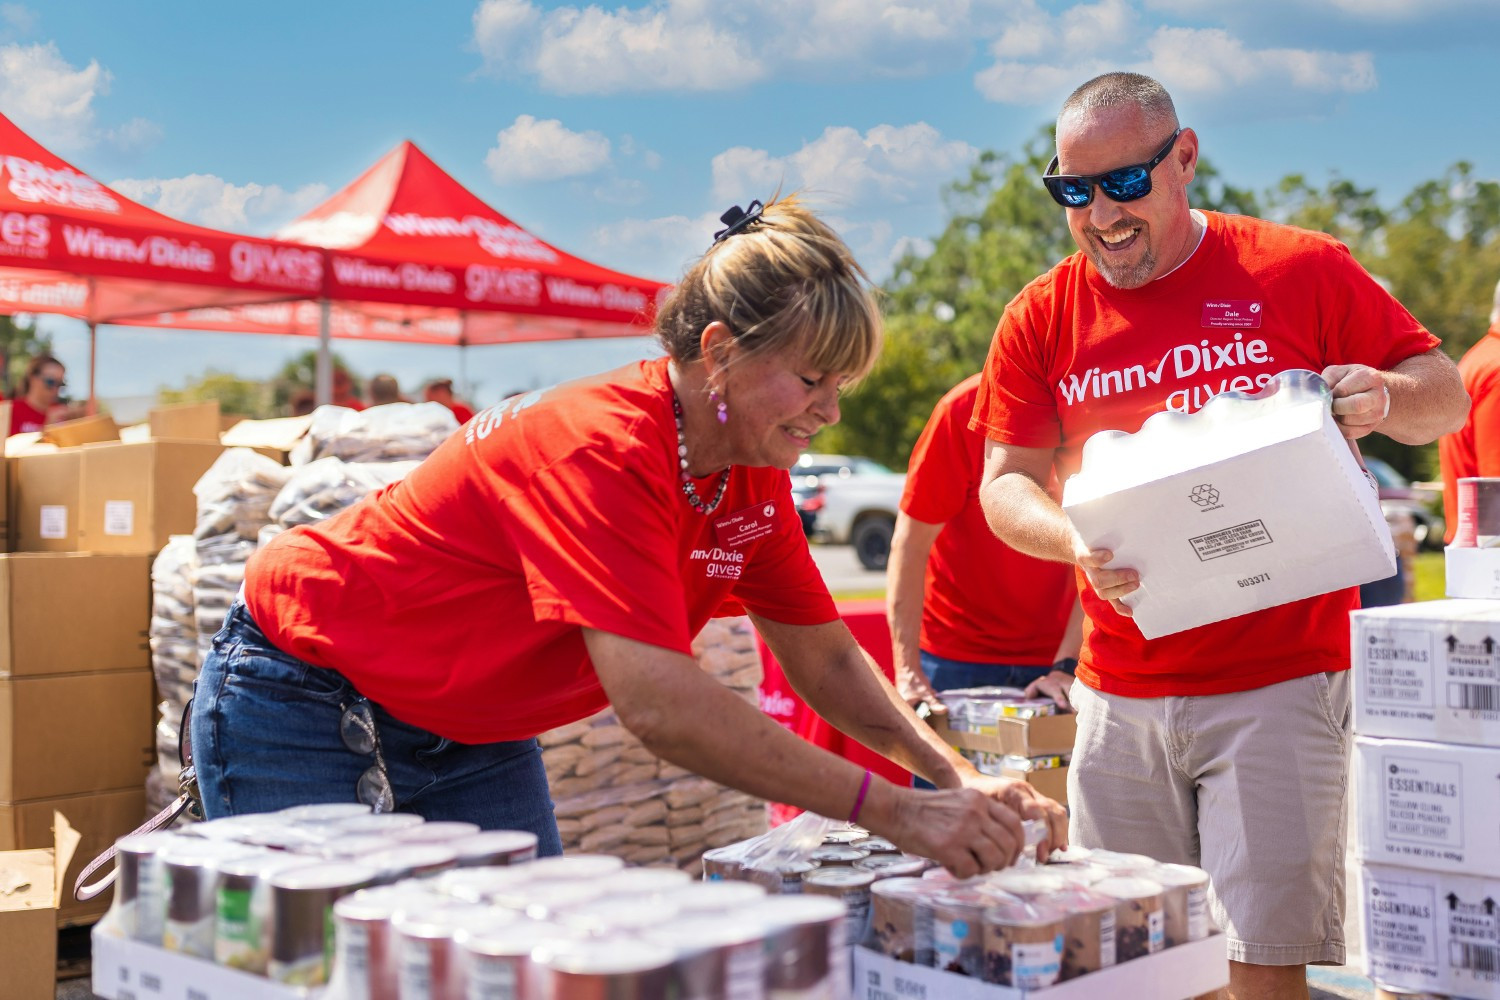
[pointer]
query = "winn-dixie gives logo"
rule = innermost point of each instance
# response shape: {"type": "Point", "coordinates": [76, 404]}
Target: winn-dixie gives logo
{"type": "Point", "coordinates": [495, 238]}
{"type": "Point", "coordinates": [723, 564]}
{"type": "Point", "coordinates": [283, 267]}
{"type": "Point", "coordinates": [1185, 361]}
{"type": "Point", "coordinates": [64, 187]}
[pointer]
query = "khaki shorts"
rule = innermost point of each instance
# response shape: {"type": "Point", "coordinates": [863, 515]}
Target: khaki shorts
{"type": "Point", "coordinates": [1251, 786]}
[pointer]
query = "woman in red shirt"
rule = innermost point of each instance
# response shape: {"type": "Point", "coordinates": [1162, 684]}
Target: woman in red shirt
{"type": "Point", "coordinates": [40, 392]}
{"type": "Point", "coordinates": [559, 553]}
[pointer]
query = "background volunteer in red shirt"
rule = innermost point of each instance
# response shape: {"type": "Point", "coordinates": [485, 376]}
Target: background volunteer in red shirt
{"type": "Point", "coordinates": [1474, 450]}
{"type": "Point", "coordinates": [558, 554]}
{"type": "Point", "coordinates": [38, 395]}
{"type": "Point", "coordinates": [965, 609]}
{"type": "Point", "coordinates": [441, 391]}
{"type": "Point", "coordinates": [1226, 745]}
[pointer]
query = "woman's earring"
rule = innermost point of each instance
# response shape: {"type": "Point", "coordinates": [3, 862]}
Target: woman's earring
{"type": "Point", "coordinates": [719, 405]}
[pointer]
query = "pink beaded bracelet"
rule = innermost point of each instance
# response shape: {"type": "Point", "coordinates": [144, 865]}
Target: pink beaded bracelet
{"type": "Point", "coordinates": [860, 801]}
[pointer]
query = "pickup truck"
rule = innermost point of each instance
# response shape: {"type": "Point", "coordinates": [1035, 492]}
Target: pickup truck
{"type": "Point", "coordinates": [855, 503]}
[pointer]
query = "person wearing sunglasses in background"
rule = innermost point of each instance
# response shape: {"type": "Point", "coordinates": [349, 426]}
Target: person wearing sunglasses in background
{"type": "Point", "coordinates": [559, 553]}
{"type": "Point", "coordinates": [1223, 746]}
{"type": "Point", "coordinates": [38, 401]}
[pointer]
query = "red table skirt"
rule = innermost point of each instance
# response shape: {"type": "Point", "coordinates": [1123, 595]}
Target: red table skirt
{"type": "Point", "coordinates": [866, 619]}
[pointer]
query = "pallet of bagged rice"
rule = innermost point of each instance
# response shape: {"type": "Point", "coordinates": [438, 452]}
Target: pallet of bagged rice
{"type": "Point", "coordinates": [613, 796]}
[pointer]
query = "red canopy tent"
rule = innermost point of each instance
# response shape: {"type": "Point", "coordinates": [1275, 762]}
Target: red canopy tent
{"type": "Point", "coordinates": [414, 256]}
{"type": "Point", "coordinates": [70, 245]}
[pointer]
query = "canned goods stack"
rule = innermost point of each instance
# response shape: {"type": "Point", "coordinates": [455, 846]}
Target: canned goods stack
{"type": "Point", "coordinates": [273, 895]}
{"type": "Point", "coordinates": [613, 796]}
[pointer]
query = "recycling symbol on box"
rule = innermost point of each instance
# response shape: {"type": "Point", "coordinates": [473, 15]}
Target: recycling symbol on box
{"type": "Point", "coordinates": [1204, 495]}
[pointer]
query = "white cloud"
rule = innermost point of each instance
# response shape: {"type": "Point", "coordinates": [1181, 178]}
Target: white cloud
{"type": "Point", "coordinates": [212, 201]}
{"type": "Point", "coordinates": [662, 247]}
{"type": "Point", "coordinates": [535, 149]}
{"type": "Point", "coordinates": [1207, 66]}
{"type": "Point", "coordinates": [19, 17]}
{"type": "Point", "coordinates": [698, 45]}
{"type": "Point", "coordinates": [49, 97]}
{"type": "Point", "coordinates": [889, 162]}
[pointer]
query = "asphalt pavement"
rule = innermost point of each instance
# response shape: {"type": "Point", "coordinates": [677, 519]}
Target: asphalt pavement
{"type": "Point", "coordinates": [842, 572]}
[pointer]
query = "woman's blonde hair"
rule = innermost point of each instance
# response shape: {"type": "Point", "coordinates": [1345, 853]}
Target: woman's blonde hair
{"type": "Point", "coordinates": [786, 281]}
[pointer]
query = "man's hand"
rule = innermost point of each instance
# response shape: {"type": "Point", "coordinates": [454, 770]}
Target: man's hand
{"type": "Point", "coordinates": [1361, 399]}
{"type": "Point", "coordinates": [1027, 803]}
{"type": "Point", "coordinates": [915, 689]}
{"type": "Point", "coordinates": [1054, 685]}
{"type": "Point", "coordinates": [1109, 584]}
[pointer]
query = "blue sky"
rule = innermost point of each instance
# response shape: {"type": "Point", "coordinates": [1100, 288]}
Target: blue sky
{"type": "Point", "coordinates": [620, 132]}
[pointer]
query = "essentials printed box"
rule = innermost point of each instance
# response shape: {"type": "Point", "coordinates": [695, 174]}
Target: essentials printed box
{"type": "Point", "coordinates": [1253, 501]}
{"type": "Point", "coordinates": [1431, 931]}
{"type": "Point", "coordinates": [1433, 806]}
{"type": "Point", "coordinates": [1428, 671]}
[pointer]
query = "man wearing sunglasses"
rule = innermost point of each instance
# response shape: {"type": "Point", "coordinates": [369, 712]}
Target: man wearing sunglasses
{"type": "Point", "coordinates": [1226, 745]}
{"type": "Point", "coordinates": [39, 394]}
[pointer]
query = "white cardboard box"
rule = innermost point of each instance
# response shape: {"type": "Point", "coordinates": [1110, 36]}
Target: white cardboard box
{"type": "Point", "coordinates": [1428, 671]}
{"type": "Point", "coordinates": [1184, 971]}
{"type": "Point", "coordinates": [1472, 572]}
{"type": "Point", "coordinates": [1253, 501]}
{"type": "Point", "coordinates": [1433, 806]}
{"type": "Point", "coordinates": [130, 970]}
{"type": "Point", "coordinates": [1431, 931]}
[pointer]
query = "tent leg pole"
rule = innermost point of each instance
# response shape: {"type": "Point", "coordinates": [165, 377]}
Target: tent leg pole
{"type": "Point", "coordinates": [323, 380]}
{"type": "Point", "coordinates": [93, 403]}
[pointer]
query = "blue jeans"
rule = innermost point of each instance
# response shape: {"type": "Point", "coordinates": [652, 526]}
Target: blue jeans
{"type": "Point", "coordinates": [947, 675]}
{"type": "Point", "coordinates": [266, 736]}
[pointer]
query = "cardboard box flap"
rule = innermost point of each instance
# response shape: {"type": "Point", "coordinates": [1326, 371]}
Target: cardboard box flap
{"type": "Point", "coordinates": [84, 430]}
{"type": "Point", "coordinates": [1292, 405]}
{"type": "Point", "coordinates": [34, 880]}
{"type": "Point", "coordinates": [186, 421]}
{"type": "Point", "coordinates": [278, 432]}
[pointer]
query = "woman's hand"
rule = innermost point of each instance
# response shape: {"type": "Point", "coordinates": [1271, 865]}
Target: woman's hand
{"type": "Point", "coordinates": [965, 830]}
{"type": "Point", "coordinates": [1026, 801]}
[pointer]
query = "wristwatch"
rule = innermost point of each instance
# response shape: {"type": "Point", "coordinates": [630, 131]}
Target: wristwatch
{"type": "Point", "coordinates": [1067, 665]}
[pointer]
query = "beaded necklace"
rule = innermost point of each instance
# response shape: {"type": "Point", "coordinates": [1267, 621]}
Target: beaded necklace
{"type": "Point", "coordinates": [688, 489]}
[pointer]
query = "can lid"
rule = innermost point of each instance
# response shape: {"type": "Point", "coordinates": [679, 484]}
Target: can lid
{"type": "Point", "coordinates": [775, 912]}
{"type": "Point", "coordinates": [332, 875]}
{"type": "Point", "coordinates": [1128, 887]}
{"type": "Point", "coordinates": [1122, 864]}
{"type": "Point", "coordinates": [903, 888]}
{"type": "Point", "coordinates": [475, 884]}
{"type": "Point", "coordinates": [190, 852]}
{"type": "Point", "coordinates": [1023, 913]}
{"type": "Point", "coordinates": [354, 846]}
{"type": "Point", "coordinates": [891, 865]}
{"type": "Point", "coordinates": [263, 864]}
{"type": "Point", "coordinates": [232, 827]}
{"type": "Point", "coordinates": [514, 940]}
{"type": "Point", "coordinates": [645, 881]}
{"type": "Point", "coordinates": [602, 917]}
{"type": "Point", "coordinates": [541, 900]}
{"type": "Point", "coordinates": [435, 833]}
{"type": "Point", "coordinates": [436, 917]}
{"type": "Point", "coordinates": [846, 878]}
{"type": "Point", "coordinates": [146, 843]}
{"type": "Point", "coordinates": [378, 823]}
{"type": "Point", "coordinates": [322, 812]}
{"type": "Point", "coordinates": [876, 845]}
{"type": "Point", "coordinates": [577, 866]}
{"type": "Point", "coordinates": [838, 853]}
{"type": "Point", "coordinates": [1026, 882]}
{"type": "Point", "coordinates": [715, 897]}
{"type": "Point", "coordinates": [702, 932]}
{"type": "Point", "coordinates": [412, 857]}
{"type": "Point", "coordinates": [848, 835]}
{"type": "Point", "coordinates": [383, 902]}
{"type": "Point", "coordinates": [1176, 875]}
{"type": "Point", "coordinates": [492, 842]}
{"type": "Point", "coordinates": [602, 957]}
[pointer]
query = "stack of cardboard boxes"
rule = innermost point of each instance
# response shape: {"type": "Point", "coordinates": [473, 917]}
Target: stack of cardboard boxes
{"type": "Point", "coordinates": [1427, 784]}
{"type": "Point", "coordinates": [85, 518]}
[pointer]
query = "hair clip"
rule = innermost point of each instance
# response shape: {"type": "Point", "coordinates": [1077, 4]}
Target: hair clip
{"type": "Point", "coordinates": [736, 220]}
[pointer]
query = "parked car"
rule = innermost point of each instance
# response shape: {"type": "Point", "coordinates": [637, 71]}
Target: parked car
{"type": "Point", "coordinates": [1397, 493]}
{"type": "Point", "coordinates": [849, 499]}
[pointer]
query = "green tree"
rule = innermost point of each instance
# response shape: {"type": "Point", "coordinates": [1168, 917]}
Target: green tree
{"type": "Point", "coordinates": [238, 396]}
{"type": "Point", "coordinates": [19, 343]}
{"type": "Point", "coordinates": [300, 374]}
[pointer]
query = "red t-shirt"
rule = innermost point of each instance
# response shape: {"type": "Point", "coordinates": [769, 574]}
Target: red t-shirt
{"type": "Point", "coordinates": [24, 418]}
{"type": "Point", "coordinates": [984, 602]}
{"type": "Point", "coordinates": [1474, 450]}
{"type": "Point", "coordinates": [1073, 356]}
{"type": "Point", "coordinates": [455, 597]}
{"type": "Point", "coordinates": [461, 413]}
{"type": "Point", "coordinates": [350, 402]}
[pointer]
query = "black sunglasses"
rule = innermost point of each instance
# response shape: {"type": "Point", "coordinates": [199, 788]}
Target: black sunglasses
{"type": "Point", "coordinates": [54, 383]}
{"type": "Point", "coordinates": [1121, 183]}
